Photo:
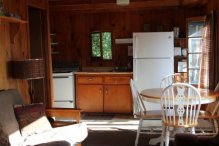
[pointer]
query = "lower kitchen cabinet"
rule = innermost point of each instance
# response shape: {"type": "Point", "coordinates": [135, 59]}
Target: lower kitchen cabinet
{"type": "Point", "coordinates": [105, 93]}
{"type": "Point", "coordinates": [90, 98]}
{"type": "Point", "coordinates": [117, 99]}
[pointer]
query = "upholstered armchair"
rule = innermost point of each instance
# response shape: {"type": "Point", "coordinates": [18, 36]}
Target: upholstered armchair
{"type": "Point", "coordinates": [27, 125]}
{"type": "Point", "coordinates": [186, 139]}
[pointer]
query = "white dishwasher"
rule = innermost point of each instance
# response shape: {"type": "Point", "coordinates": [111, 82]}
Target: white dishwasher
{"type": "Point", "coordinates": [64, 90]}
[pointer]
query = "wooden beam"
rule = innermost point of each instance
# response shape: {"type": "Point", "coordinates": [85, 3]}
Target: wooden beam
{"type": "Point", "coordinates": [112, 6]}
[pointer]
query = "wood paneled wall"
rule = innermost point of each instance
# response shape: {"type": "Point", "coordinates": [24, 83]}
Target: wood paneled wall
{"type": "Point", "coordinates": [14, 44]}
{"type": "Point", "coordinates": [73, 30]}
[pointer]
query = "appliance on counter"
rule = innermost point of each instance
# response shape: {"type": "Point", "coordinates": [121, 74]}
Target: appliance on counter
{"type": "Point", "coordinates": [153, 59]}
{"type": "Point", "coordinates": [64, 84]}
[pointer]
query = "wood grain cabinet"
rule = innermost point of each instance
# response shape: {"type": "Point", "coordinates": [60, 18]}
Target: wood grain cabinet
{"type": "Point", "coordinates": [105, 93]}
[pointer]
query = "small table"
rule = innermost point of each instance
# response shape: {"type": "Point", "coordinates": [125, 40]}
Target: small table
{"type": "Point", "coordinates": [154, 95]}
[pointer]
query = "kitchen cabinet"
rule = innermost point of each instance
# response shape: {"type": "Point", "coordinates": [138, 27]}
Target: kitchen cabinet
{"type": "Point", "coordinates": [104, 92]}
{"type": "Point", "coordinates": [90, 98]}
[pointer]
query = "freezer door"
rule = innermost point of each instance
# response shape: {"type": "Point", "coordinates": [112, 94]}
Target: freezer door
{"type": "Point", "coordinates": [153, 45]}
{"type": "Point", "coordinates": [148, 73]}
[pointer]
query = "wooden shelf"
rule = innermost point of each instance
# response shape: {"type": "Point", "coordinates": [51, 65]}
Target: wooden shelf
{"type": "Point", "coordinates": [54, 43]}
{"type": "Point", "coordinates": [55, 52]}
{"type": "Point", "coordinates": [11, 20]}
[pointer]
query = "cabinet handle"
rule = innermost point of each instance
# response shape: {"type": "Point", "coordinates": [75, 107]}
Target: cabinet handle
{"type": "Point", "coordinates": [106, 91]}
{"type": "Point", "coordinates": [90, 79]}
{"type": "Point", "coordinates": [100, 90]}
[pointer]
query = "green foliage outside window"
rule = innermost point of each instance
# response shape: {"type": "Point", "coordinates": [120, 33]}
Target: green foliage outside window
{"type": "Point", "coordinates": [102, 45]}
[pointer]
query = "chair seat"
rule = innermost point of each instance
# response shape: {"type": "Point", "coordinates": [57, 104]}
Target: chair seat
{"type": "Point", "coordinates": [153, 114]}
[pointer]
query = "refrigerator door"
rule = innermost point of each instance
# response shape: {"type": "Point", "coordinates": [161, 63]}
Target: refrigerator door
{"type": "Point", "coordinates": [153, 45]}
{"type": "Point", "coordinates": [148, 73]}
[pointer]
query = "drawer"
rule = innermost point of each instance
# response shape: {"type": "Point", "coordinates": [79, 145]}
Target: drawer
{"type": "Point", "coordinates": [116, 80]}
{"type": "Point", "coordinates": [89, 80]}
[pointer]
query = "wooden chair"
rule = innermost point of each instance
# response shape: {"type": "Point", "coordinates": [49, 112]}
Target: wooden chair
{"type": "Point", "coordinates": [140, 112]}
{"type": "Point", "coordinates": [180, 105]}
{"type": "Point", "coordinates": [211, 114]}
{"type": "Point", "coordinates": [173, 78]}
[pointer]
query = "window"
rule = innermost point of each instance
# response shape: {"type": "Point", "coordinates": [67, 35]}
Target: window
{"type": "Point", "coordinates": [101, 45]}
{"type": "Point", "coordinates": [195, 32]}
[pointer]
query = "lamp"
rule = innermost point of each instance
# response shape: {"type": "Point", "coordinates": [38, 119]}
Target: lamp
{"type": "Point", "coordinates": [122, 2]}
{"type": "Point", "coordinates": [29, 69]}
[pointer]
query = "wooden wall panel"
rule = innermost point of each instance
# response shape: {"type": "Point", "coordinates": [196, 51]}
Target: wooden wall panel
{"type": "Point", "coordinates": [73, 30]}
{"type": "Point", "coordinates": [9, 52]}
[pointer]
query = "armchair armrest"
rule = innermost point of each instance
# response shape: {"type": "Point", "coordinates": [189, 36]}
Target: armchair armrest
{"type": "Point", "coordinates": [73, 114]}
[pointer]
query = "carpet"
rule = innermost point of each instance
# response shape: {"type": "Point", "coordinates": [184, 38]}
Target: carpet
{"type": "Point", "coordinates": [119, 137]}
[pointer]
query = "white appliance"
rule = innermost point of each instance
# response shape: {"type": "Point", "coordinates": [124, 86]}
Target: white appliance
{"type": "Point", "coordinates": [64, 90]}
{"type": "Point", "coordinates": [153, 54]}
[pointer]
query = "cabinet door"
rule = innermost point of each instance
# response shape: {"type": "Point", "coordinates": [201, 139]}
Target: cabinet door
{"type": "Point", "coordinates": [90, 98]}
{"type": "Point", "coordinates": [117, 99]}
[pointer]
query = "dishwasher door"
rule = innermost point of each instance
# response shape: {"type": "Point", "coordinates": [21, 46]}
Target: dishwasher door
{"type": "Point", "coordinates": [64, 90]}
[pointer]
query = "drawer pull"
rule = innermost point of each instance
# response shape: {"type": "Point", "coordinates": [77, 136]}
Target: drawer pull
{"type": "Point", "coordinates": [90, 79]}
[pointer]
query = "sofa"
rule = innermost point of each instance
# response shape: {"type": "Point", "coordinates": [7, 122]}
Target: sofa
{"type": "Point", "coordinates": [28, 125]}
{"type": "Point", "coordinates": [186, 139]}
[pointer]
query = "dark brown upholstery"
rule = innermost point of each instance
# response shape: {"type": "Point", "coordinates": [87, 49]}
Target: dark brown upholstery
{"type": "Point", "coordinates": [55, 143]}
{"type": "Point", "coordinates": [195, 140]}
{"type": "Point", "coordinates": [8, 98]}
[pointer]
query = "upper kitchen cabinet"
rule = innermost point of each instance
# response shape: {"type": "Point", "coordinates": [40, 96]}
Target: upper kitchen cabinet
{"type": "Point", "coordinates": [195, 28]}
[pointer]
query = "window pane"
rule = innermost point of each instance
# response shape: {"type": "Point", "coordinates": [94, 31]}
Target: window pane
{"type": "Point", "coordinates": [107, 45]}
{"type": "Point", "coordinates": [194, 61]}
{"type": "Point", "coordinates": [196, 29]}
{"type": "Point", "coordinates": [96, 45]}
{"type": "Point", "coordinates": [194, 76]}
{"type": "Point", "coordinates": [195, 45]}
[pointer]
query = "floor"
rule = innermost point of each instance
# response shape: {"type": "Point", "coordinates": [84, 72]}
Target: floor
{"type": "Point", "coordinates": [116, 121]}
{"type": "Point", "coordinates": [123, 121]}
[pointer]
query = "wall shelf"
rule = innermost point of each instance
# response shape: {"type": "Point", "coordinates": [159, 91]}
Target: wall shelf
{"type": "Point", "coordinates": [11, 20]}
{"type": "Point", "coordinates": [54, 43]}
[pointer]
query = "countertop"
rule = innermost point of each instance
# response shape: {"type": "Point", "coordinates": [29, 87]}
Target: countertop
{"type": "Point", "coordinates": [105, 73]}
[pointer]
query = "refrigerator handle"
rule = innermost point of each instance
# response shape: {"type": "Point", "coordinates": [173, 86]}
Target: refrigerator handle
{"type": "Point", "coordinates": [135, 70]}
{"type": "Point", "coordinates": [134, 45]}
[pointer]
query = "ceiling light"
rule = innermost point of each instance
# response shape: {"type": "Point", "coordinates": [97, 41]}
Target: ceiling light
{"type": "Point", "coordinates": [122, 2]}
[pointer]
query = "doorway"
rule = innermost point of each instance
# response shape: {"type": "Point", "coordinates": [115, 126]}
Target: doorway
{"type": "Point", "coordinates": [37, 51]}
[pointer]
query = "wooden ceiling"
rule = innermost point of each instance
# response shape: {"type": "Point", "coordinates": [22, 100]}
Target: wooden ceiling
{"type": "Point", "coordinates": [110, 5]}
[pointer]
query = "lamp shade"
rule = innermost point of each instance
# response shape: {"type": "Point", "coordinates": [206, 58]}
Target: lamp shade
{"type": "Point", "coordinates": [28, 69]}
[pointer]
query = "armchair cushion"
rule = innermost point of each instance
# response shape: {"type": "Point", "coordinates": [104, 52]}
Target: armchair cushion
{"type": "Point", "coordinates": [32, 119]}
{"type": "Point", "coordinates": [72, 134]}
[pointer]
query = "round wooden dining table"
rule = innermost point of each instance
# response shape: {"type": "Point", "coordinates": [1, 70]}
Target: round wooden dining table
{"type": "Point", "coordinates": [154, 95]}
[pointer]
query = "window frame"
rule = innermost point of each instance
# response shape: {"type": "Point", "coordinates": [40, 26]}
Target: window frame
{"type": "Point", "coordinates": [101, 46]}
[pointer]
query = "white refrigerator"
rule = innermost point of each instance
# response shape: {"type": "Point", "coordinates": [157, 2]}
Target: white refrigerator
{"type": "Point", "coordinates": [153, 59]}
